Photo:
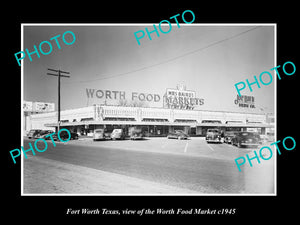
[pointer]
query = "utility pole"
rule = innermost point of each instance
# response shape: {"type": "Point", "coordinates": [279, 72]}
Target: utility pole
{"type": "Point", "coordinates": [59, 75]}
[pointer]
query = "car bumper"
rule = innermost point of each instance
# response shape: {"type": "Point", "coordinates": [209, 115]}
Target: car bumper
{"type": "Point", "coordinates": [136, 138]}
{"type": "Point", "coordinates": [250, 144]}
{"type": "Point", "coordinates": [213, 140]}
{"type": "Point", "coordinates": [173, 137]}
{"type": "Point", "coordinates": [98, 139]}
{"type": "Point", "coordinates": [117, 138]}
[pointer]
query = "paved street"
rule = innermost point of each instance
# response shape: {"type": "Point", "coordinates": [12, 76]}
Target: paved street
{"type": "Point", "coordinates": [151, 166]}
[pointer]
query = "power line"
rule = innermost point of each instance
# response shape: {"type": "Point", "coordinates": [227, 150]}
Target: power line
{"type": "Point", "coordinates": [171, 59]}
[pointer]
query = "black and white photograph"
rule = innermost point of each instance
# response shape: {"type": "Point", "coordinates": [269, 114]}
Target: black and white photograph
{"type": "Point", "coordinates": [149, 109]}
{"type": "Point", "coordinates": [149, 112]}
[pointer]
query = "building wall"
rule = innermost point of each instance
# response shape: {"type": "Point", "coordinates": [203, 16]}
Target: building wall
{"type": "Point", "coordinates": [186, 115]}
{"type": "Point", "coordinates": [147, 113]}
{"type": "Point", "coordinates": [38, 121]}
{"type": "Point", "coordinates": [99, 113]}
{"type": "Point", "coordinates": [120, 111]}
{"type": "Point", "coordinates": [78, 114]}
{"type": "Point", "coordinates": [172, 114]}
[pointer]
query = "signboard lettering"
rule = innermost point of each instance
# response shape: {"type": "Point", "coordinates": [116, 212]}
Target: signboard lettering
{"type": "Point", "coordinates": [244, 101]}
{"type": "Point", "coordinates": [181, 98]}
{"type": "Point", "coordinates": [121, 95]}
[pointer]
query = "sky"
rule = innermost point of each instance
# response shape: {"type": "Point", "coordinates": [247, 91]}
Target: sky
{"type": "Point", "coordinates": [208, 59]}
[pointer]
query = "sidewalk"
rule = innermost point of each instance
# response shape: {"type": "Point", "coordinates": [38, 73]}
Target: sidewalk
{"type": "Point", "coordinates": [45, 176]}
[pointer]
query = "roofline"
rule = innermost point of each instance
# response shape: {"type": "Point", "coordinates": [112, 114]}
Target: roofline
{"type": "Point", "coordinates": [259, 125]}
{"type": "Point", "coordinates": [196, 110]}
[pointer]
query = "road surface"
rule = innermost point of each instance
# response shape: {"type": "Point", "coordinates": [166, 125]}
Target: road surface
{"type": "Point", "coordinates": [168, 166]}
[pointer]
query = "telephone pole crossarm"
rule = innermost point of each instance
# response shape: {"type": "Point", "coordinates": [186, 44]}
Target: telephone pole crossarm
{"type": "Point", "coordinates": [57, 75]}
{"type": "Point", "coordinates": [58, 71]}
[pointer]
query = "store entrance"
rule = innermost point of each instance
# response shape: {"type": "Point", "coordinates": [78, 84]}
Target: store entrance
{"type": "Point", "coordinates": [193, 131]}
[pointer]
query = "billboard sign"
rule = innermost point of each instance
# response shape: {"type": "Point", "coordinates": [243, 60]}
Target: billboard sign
{"type": "Point", "coordinates": [244, 101]}
{"type": "Point", "coordinates": [38, 106]}
{"type": "Point", "coordinates": [181, 98]}
{"type": "Point", "coordinates": [27, 106]}
{"type": "Point", "coordinates": [43, 107]}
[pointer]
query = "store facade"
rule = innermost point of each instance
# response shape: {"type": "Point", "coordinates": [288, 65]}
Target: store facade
{"type": "Point", "coordinates": [156, 114]}
{"type": "Point", "coordinates": [153, 121]}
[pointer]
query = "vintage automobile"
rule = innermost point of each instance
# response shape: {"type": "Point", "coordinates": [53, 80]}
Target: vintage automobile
{"type": "Point", "coordinates": [213, 135]}
{"type": "Point", "coordinates": [33, 133]}
{"type": "Point", "coordinates": [117, 134]}
{"type": "Point", "coordinates": [64, 135]}
{"type": "Point", "coordinates": [229, 135]}
{"type": "Point", "coordinates": [99, 134]}
{"type": "Point", "coordinates": [136, 133]}
{"type": "Point", "coordinates": [44, 133]}
{"type": "Point", "coordinates": [178, 134]}
{"type": "Point", "coordinates": [246, 139]}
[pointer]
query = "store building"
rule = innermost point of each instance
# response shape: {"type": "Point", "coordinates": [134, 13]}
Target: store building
{"type": "Point", "coordinates": [153, 121]}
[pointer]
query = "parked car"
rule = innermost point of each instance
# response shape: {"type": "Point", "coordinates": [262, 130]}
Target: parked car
{"type": "Point", "coordinates": [229, 135]}
{"type": "Point", "coordinates": [117, 134]}
{"type": "Point", "coordinates": [246, 139]}
{"type": "Point", "coordinates": [213, 135]}
{"type": "Point", "coordinates": [136, 133]}
{"type": "Point", "coordinates": [64, 135]}
{"type": "Point", "coordinates": [263, 138]}
{"type": "Point", "coordinates": [33, 133]}
{"type": "Point", "coordinates": [99, 134]}
{"type": "Point", "coordinates": [178, 134]}
{"type": "Point", "coordinates": [44, 133]}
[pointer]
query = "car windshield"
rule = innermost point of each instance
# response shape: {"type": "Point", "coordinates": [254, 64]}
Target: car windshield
{"type": "Point", "coordinates": [33, 131]}
{"type": "Point", "coordinates": [248, 134]}
{"type": "Point", "coordinates": [213, 131]}
{"type": "Point", "coordinates": [117, 130]}
{"type": "Point", "coordinates": [179, 131]}
{"type": "Point", "coordinates": [45, 132]}
{"type": "Point", "coordinates": [230, 133]}
{"type": "Point", "coordinates": [137, 131]}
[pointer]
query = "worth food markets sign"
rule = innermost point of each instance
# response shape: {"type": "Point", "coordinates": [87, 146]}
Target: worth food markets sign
{"type": "Point", "coordinates": [180, 98]}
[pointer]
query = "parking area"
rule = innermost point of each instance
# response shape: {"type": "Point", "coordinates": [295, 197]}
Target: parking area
{"type": "Point", "coordinates": [191, 164]}
{"type": "Point", "coordinates": [195, 146]}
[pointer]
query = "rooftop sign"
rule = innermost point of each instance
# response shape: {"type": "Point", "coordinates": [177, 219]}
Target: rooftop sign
{"type": "Point", "coordinates": [181, 98]}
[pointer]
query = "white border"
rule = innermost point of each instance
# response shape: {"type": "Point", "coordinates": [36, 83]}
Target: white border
{"type": "Point", "coordinates": [149, 24]}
